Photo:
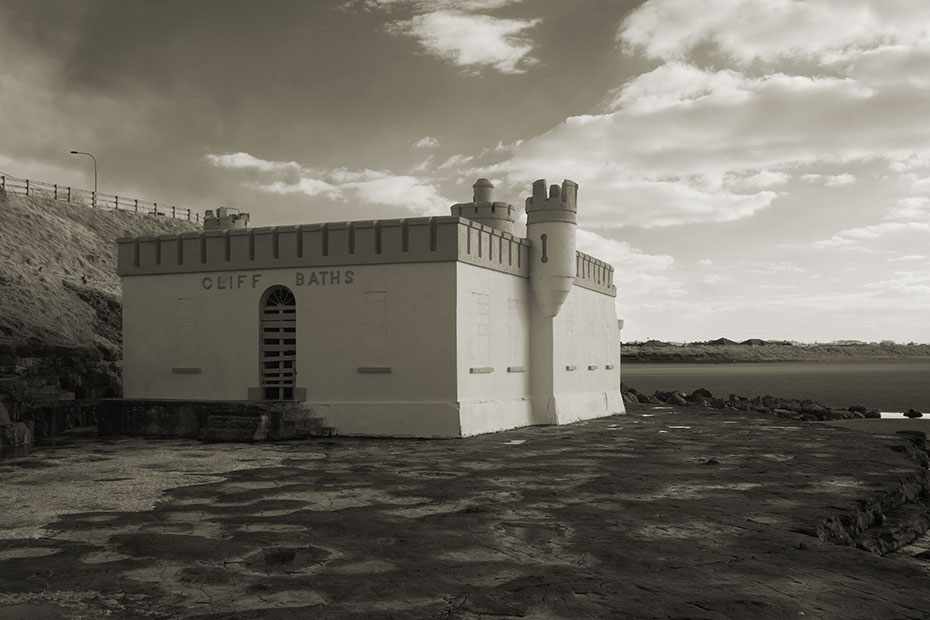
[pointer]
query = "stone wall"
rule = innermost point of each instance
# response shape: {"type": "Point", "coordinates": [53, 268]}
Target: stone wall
{"type": "Point", "coordinates": [49, 390]}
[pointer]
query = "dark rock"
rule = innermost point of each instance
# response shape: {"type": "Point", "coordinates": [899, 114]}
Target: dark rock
{"type": "Point", "coordinates": [810, 406]}
{"type": "Point", "coordinates": [873, 414]}
{"type": "Point", "coordinates": [677, 398]}
{"type": "Point", "coordinates": [644, 398]}
{"type": "Point", "coordinates": [858, 409]}
{"type": "Point", "coordinates": [913, 413]}
{"type": "Point", "coordinates": [712, 462]}
{"type": "Point", "coordinates": [702, 392]}
{"type": "Point", "coordinates": [717, 403]}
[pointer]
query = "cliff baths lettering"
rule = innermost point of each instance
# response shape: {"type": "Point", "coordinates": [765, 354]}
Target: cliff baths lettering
{"type": "Point", "coordinates": [323, 277]}
{"type": "Point", "coordinates": [220, 282]}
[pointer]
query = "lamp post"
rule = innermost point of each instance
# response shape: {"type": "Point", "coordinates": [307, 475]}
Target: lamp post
{"type": "Point", "coordinates": [94, 201]}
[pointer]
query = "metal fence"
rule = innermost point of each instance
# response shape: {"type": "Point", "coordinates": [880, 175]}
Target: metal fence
{"type": "Point", "coordinates": [93, 199]}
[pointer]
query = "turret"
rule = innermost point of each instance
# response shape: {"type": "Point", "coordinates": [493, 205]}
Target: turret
{"type": "Point", "coordinates": [499, 215]}
{"type": "Point", "coordinates": [224, 219]}
{"type": "Point", "coordinates": [550, 228]}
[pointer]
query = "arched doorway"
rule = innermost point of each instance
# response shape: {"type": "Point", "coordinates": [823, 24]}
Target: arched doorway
{"type": "Point", "coordinates": [278, 351]}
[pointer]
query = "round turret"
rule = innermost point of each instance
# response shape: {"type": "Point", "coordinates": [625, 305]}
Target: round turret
{"type": "Point", "coordinates": [499, 215]}
{"type": "Point", "coordinates": [550, 228]}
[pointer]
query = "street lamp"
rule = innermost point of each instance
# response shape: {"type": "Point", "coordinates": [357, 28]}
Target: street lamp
{"type": "Point", "coordinates": [94, 201]}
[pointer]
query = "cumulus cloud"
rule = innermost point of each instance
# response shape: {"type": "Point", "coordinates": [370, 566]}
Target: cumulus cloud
{"type": "Point", "coordinates": [827, 31]}
{"type": "Point", "coordinates": [245, 161]}
{"type": "Point", "coordinates": [472, 40]}
{"type": "Point", "coordinates": [720, 135]}
{"type": "Point", "coordinates": [463, 32]}
{"type": "Point", "coordinates": [911, 209]}
{"type": "Point", "coordinates": [426, 142]}
{"type": "Point", "coordinates": [857, 238]}
{"type": "Point", "coordinates": [636, 272]}
{"type": "Point", "coordinates": [373, 187]}
{"type": "Point", "coordinates": [829, 180]}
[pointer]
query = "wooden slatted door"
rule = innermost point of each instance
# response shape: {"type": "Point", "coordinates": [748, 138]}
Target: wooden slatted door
{"type": "Point", "coordinates": [279, 344]}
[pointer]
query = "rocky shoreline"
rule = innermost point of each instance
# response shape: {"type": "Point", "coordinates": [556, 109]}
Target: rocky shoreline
{"type": "Point", "coordinates": [791, 408]}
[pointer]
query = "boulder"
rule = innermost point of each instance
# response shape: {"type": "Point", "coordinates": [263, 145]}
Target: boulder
{"type": "Point", "coordinates": [858, 409]}
{"type": "Point", "coordinates": [702, 393]}
{"type": "Point", "coordinates": [873, 414]}
{"type": "Point", "coordinates": [913, 413]}
{"type": "Point", "coordinates": [663, 396]}
{"type": "Point", "coordinates": [677, 398]}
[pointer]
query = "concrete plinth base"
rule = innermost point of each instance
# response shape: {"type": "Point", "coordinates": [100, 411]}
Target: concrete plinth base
{"type": "Point", "coordinates": [235, 421]}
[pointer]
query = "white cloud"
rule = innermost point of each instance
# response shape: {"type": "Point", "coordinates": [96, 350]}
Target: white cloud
{"type": "Point", "coordinates": [912, 209]}
{"type": "Point", "coordinates": [856, 237]}
{"type": "Point", "coordinates": [760, 180]}
{"type": "Point", "coordinates": [245, 161]}
{"type": "Point", "coordinates": [455, 160]}
{"type": "Point", "coordinates": [829, 180]}
{"type": "Point", "coordinates": [839, 179]}
{"type": "Point", "coordinates": [674, 83]}
{"type": "Point", "coordinates": [472, 40]}
{"type": "Point", "coordinates": [635, 272]}
{"type": "Point", "coordinates": [426, 142]}
{"type": "Point", "coordinates": [827, 31]}
{"type": "Point", "coordinates": [374, 187]}
{"type": "Point", "coordinates": [307, 186]}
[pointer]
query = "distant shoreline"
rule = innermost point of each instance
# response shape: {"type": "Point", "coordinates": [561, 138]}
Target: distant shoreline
{"type": "Point", "coordinates": [662, 352]}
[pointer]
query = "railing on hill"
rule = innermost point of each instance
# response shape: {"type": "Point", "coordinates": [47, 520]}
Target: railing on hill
{"type": "Point", "coordinates": [93, 199]}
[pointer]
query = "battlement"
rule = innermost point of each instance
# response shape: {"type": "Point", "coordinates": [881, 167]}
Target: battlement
{"type": "Point", "coordinates": [559, 205]}
{"type": "Point", "coordinates": [224, 218]}
{"type": "Point", "coordinates": [594, 274]}
{"type": "Point", "coordinates": [411, 240]}
{"type": "Point", "coordinates": [482, 209]}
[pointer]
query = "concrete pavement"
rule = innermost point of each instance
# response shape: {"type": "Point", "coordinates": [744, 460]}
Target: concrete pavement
{"type": "Point", "coordinates": [660, 513]}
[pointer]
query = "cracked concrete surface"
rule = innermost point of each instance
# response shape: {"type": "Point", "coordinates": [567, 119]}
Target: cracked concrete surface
{"type": "Point", "coordinates": [661, 513]}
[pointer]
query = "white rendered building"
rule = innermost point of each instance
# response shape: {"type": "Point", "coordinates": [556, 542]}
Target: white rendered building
{"type": "Point", "coordinates": [425, 327]}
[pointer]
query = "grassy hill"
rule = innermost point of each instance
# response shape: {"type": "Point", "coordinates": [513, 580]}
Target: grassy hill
{"type": "Point", "coordinates": [720, 352]}
{"type": "Point", "coordinates": [58, 282]}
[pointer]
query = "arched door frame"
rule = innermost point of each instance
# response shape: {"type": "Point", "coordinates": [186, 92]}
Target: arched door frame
{"type": "Point", "coordinates": [277, 351]}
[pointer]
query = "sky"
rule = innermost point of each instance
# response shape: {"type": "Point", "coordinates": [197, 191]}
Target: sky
{"type": "Point", "coordinates": [751, 168]}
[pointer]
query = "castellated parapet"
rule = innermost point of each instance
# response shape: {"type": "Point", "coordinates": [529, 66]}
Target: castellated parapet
{"type": "Point", "coordinates": [482, 209]}
{"type": "Point", "coordinates": [561, 205]}
{"type": "Point", "coordinates": [224, 219]}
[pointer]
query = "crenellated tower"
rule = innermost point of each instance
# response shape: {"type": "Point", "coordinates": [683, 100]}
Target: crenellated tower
{"type": "Point", "coordinates": [225, 218]}
{"type": "Point", "coordinates": [550, 227]}
{"type": "Point", "coordinates": [483, 209]}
